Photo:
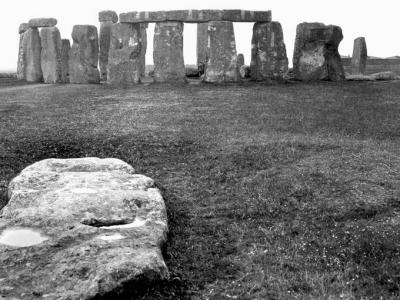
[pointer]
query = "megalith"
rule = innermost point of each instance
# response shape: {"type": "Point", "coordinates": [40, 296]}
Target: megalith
{"type": "Point", "coordinates": [65, 51]}
{"type": "Point", "coordinates": [81, 229]}
{"type": "Point", "coordinates": [20, 65]}
{"type": "Point", "coordinates": [143, 35]}
{"type": "Point", "coordinates": [51, 62]}
{"type": "Point", "coordinates": [360, 55]}
{"type": "Point", "coordinates": [42, 22]}
{"type": "Point", "coordinates": [84, 55]}
{"type": "Point", "coordinates": [169, 65]}
{"type": "Point", "coordinates": [268, 52]}
{"type": "Point", "coordinates": [222, 57]}
{"type": "Point", "coordinates": [316, 55]}
{"type": "Point", "coordinates": [107, 18]}
{"type": "Point", "coordinates": [240, 60]}
{"type": "Point", "coordinates": [202, 46]}
{"type": "Point", "coordinates": [31, 55]}
{"type": "Point", "coordinates": [124, 59]}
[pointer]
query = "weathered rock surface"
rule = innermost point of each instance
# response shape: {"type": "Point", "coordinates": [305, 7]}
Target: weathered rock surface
{"type": "Point", "coordinates": [124, 57]}
{"type": "Point", "coordinates": [23, 27]}
{"type": "Point", "coordinates": [202, 46]}
{"type": "Point", "coordinates": [65, 51]}
{"type": "Point", "coordinates": [240, 60]}
{"type": "Point", "coordinates": [105, 38]}
{"type": "Point", "coordinates": [29, 60]}
{"type": "Point", "coordinates": [42, 22]}
{"type": "Point", "coordinates": [84, 55]}
{"type": "Point", "coordinates": [169, 65]}
{"type": "Point", "coordinates": [51, 62]}
{"type": "Point", "coordinates": [108, 16]}
{"type": "Point", "coordinates": [245, 71]}
{"type": "Point", "coordinates": [80, 229]}
{"type": "Point", "coordinates": [360, 55]}
{"type": "Point", "coordinates": [196, 16]}
{"type": "Point", "coordinates": [222, 61]}
{"type": "Point", "coordinates": [21, 55]}
{"type": "Point", "coordinates": [316, 55]}
{"type": "Point", "coordinates": [268, 52]}
{"type": "Point", "coordinates": [143, 34]}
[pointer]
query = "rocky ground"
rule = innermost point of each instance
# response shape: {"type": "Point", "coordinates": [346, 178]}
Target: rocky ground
{"type": "Point", "coordinates": [278, 191]}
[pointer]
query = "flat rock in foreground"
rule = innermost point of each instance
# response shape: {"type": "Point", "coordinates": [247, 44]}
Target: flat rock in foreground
{"type": "Point", "coordinates": [80, 229]}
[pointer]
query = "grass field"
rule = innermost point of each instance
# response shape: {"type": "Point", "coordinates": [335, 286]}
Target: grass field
{"type": "Point", "coordinates": [279, 191]}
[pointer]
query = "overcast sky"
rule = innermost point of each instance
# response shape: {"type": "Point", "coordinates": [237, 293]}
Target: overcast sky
{"type": "Point", "coordinates": [378, 21]}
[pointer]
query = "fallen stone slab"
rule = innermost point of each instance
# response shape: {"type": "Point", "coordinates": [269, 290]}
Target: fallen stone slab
{"type": "Point", "coordinates": [222, 63]}
{"type": "Point", "coordinates": [268, 52]}
{"type": "Point", "coordinates": [360, 56]}
{"type": "Point", "coordinates": [42, 22]}
{"type": "Point", "coordinates": [316, 55]}
{"type": "Point", "coordinates": [381, 76]}
{"type": "Point", "coordinates": [169, 65]}
{"type": "Point", "coordinates": [124, 61]}
{"type": "Point", "coordinates": [108, 16]}
{"type": "Point", "coordinates": [80, 229]}
{"type": "Point", "coordinates": [196, 16]}
{"type": "Point", "coordinates": [51, 62]}
{"type": "Point", "coordinates": [84, 55]}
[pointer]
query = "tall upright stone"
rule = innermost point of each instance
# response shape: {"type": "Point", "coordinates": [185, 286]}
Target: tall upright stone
{"type": "Point", "coordinates": [20, 65]}
{"type": "Point", "coordinates": [31, 56]}
{"type": "Point", "coordinates": [240, 60]}
{"type": "Point", "coordinates": [84, 55]}
{"type": "Point", "coordinates": [202, 46]}
{"type": "Point", "coordinates": [51, 55]}
{"type": "Point", "coordinates": [360, 55]}
{"type": "Point", "coordinates": [65, 51]}
{"type": "Point", "coordinates": [268, 52]}
{"type": "Point", "coordinates": [106, 18]}
{"type": "Point", "coordinates": [222, 61]}
{"type": "Point", "coordinates": [169, 65]}
{"type": "Point", "coordinates": [124, 55]}
{"type": "Point", "coordinates": [143, 34]}
{"type": "Point", "coordinates": [316, 55]}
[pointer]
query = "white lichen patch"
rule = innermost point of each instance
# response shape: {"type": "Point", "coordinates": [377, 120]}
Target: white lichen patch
{"type": "Point", "coordinates": [110, 238]}
{"type": "Point", "coordinates": [21, 237]}
{"type": "Point", "coordinates": [137, 223]}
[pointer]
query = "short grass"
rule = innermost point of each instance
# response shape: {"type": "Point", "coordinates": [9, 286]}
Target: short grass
{"type": "Point", "coordinates": [278, 191]}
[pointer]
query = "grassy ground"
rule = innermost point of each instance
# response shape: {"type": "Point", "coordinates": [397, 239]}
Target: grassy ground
{"type": "Point", "coordinates": [287, 191]}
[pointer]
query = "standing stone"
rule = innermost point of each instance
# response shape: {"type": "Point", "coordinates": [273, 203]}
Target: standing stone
{"type": "Point", "coordinates": [222, 61]}
{"type": "Point", "coordinates": [316, 55]}
{"type": "Point", "coordinates": [65, 51]}
{"type": "Point", "coordinates": [84, 55]}
{"type": "Point", "coordinates": [240, 60]}
{"type": "Point", "coordinates": [168, 52]}
{"type": "Point", "coordinates": [268, 52]}
{"type": "Point", "coordinates": [20, 65]}
{"type": "Point", "coordinates": [360, 55]}
{"type": "Point", "coordinates": [31, 56]}
{"type": "Point", "coordinates": [107, 18]}
{"type": "Point", "coordinates": [124, 55]}
{"type": "Point", "coordinates": [51, 55]}
{"type": "Point", "coordinates": [143, 34]}
{"type": "Point", "coordinates": [202, 46]}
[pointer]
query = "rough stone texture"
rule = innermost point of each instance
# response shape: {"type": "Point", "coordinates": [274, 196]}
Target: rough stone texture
{"type": "Point", "coordinates": [108, 16]}
{"type": "Point", "coordinates": [195, 16]}
{"type": "Point", "coordinates": [245, 71]}
{"type": "Point", "coordinates": [202, 46]}
{"type": "Point", "coordinates": [21, 55]}
{"type": "Point", "coordinates": [42, 22]}
{"type": "Point", "coordinates": [316, 55]}
{"type": "Point", "coordinates": [168, 52]}
{"type": "Point", "coordinates": [51, 55]}
{"type": "Point", "coordinates": [268, 52]}
{"type": "Point", "coordinates": [360, 55]}
{"type": "Point", "coordinates": [30, 56]}
{"type": "Point", "coordinates": [124, 56]}
{"type": "Point", "coordinates": [84, 55]}
{"type": "Point", "coordinates": [65, 51]}
{"type": "Point", "coordinates": [240, 60]}
{"type": "Point", "coordinates": [143, 34]}
{"type": "Point", "coordinates": [105, 36]}
{"type": "Point", "coordinates": [23, 27]}
{"type": "Point", "coordinates": [222, 61]}
{"type": "Point", "coordinates": [74, 204]}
